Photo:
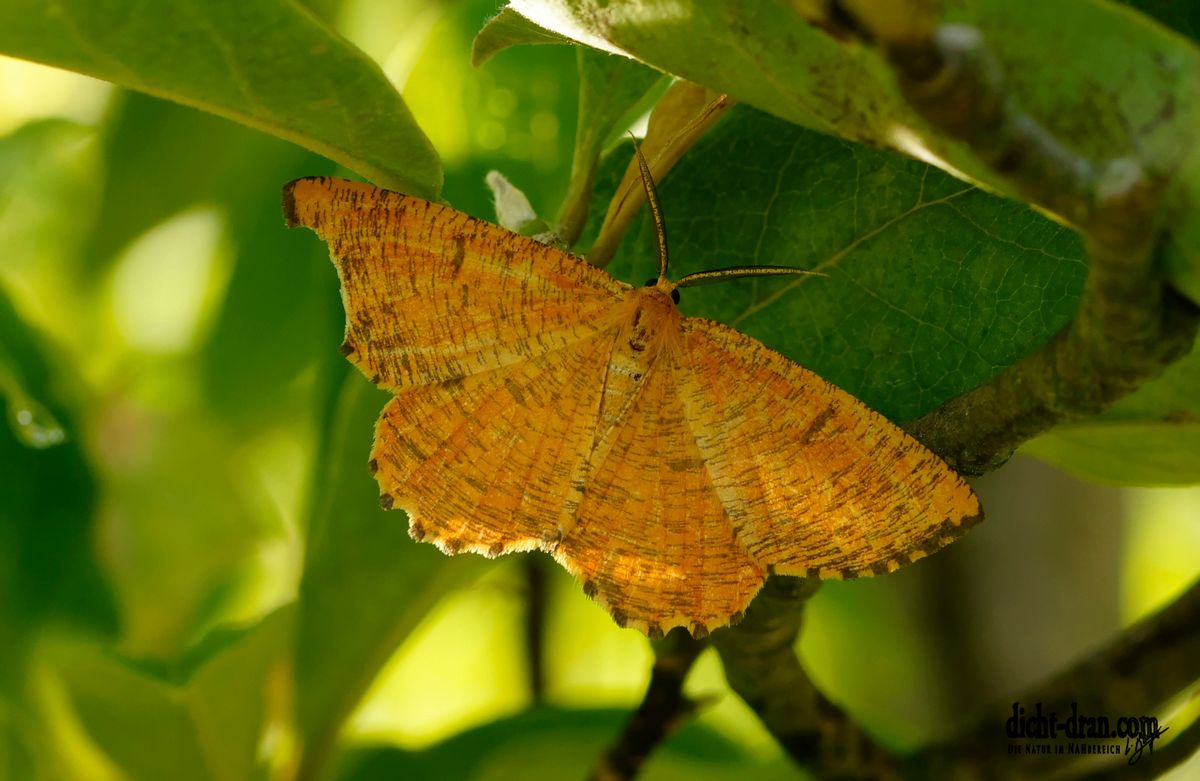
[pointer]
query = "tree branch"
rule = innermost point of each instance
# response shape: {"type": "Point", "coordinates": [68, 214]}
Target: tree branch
{"type": "Point", "coordinates": [1182, 747]}
{"type": "Point", "coordinates": [663, 709]}
{"type": "Point", "coordinates": [761, 666]}
{"type": "Point", "coordinates": [1136, 675]}
{"type": "Point", "coordinates": [1130, 323]}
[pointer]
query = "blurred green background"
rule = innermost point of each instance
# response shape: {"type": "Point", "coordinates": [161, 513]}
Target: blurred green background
{"type": "Point", "coordinates": [183, 437]}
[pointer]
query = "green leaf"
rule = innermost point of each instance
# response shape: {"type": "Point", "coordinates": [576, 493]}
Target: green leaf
{"type": "Point", "coordinates": [1115, 453]}
{"type": "Point", "coordinates": [1151, 437]}
{"type": "Point", "coordinates": [1183, 18]}
{"type": "Point", "coordinates": [1121, 84]}
{"type": "Point", "coordinates": [931, 286]}
{"type": "Point", "coordinates": [366, 583]}
{"type": "Point", "coordinates": [610, 87]}
{"type": "Point", "coordinates": [555, 743]}
{"type": "Point", "coordinates": [202, 721]}
{"type": "Point", "coordinates": [49, 574]}
{"type": "Point", "coordinates": [268, 64]}
{"type": "Point", "coordinates": [18, 759]}
{"type": "Point", "coordinates": [47, 499]}
{"type": "Point", "coordinates": [505, 29]}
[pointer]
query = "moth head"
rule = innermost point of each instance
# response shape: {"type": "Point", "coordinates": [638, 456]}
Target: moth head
{"type": "Point", "coordinates": [664, 286]}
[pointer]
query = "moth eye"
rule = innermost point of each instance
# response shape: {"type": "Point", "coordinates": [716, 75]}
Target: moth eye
{"type": "Point", "coordinates": [675, 295]}
{"type": "Point", "coordinates": [650, 283]}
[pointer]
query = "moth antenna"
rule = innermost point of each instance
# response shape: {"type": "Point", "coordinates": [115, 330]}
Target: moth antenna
{"type": "Point", "coordinates": [660, 227]}
{"type": "Point", "coordinates": [740, 272]}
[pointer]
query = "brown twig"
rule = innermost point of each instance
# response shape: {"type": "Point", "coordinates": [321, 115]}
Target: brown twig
{"type": "Point", "coordinates": [663, 709]}
{"type": "Point", "coordinates": [534, 570]}
{"type": "Point", "coordinates": [762, 667]}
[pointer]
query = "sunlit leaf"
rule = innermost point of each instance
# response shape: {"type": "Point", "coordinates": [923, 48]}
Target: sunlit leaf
{"type": "Point", "coordinates": [505, 29]}
{"type": "Point", "coordinates": [268, 64]}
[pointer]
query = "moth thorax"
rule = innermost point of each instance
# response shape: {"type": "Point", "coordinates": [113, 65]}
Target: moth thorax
{"type": "Point", "coordinates": [650, 315]}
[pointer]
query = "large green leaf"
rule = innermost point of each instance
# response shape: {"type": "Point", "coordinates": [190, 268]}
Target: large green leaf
{"type": "Point", "coordinates": [930, 287]}
{"type": "Point", "coordinates": [366, 583]}
{"type": "Point", "coordinates": [1105, 80]}
{"type": "Point", "coordinates": [557, 743]}
{"type": "Point", "coordinates": [201, 720]}
{"type": "Point", "coordinates": [269, 64]}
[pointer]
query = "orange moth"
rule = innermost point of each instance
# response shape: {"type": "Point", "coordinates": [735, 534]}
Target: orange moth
{"type": "Point", "coordinates": [670, 463]}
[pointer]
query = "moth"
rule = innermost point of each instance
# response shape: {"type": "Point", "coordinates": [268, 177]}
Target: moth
{"type": "Point", "coordinates": [670, 463]}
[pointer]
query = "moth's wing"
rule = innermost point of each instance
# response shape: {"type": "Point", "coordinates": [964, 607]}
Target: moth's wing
{"type": "Point", "coordinates": [817, 484]}
{"type": "Point", "coordinates": [432, 294]}
{"type": "Point", "coordinates": [652, 541]}
{"type": "Point", "coordinates": [489, 463]}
